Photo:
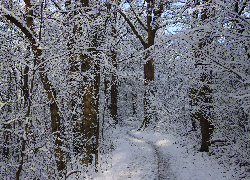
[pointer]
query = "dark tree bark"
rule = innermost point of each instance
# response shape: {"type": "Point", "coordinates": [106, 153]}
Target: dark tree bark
{"type": "Point", "coordinates": [113, 54]}
{"type": "Point", "coordinates": [96, 94]}
{"type": "Point", "coordinates": [25, 85]}
{"type": "Point", "coordinates": [87, 128]}
{"type": "Point", "coordinates": [114, 85]}
{"type": "Point", "coordinates": [203, 96]}
{"type": "Point", "coordinates": [114, 96]}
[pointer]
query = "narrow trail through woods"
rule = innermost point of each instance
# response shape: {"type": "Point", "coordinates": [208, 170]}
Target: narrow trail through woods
{"type": "Point", "coordinates": [163, 169]}
{"type": "Point", "coordinates": [163, 166]}
{"type": "Point", "coordinates": [150, 155]}
{"type": "Point", "coordinates": [136, 157]}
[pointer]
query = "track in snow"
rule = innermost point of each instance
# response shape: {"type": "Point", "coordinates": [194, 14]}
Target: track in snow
{"type": "Point", "coordinates": [163, 167]}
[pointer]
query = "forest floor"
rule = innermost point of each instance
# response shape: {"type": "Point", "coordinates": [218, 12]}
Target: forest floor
{"type": "Point", "coordinates": [148, 155]}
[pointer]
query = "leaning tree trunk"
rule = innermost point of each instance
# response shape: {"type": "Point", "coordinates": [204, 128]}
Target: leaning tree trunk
{"type": "Point", "coordinates": [55, 121]}
{"type": "Point", "coordinates": [51, 92]}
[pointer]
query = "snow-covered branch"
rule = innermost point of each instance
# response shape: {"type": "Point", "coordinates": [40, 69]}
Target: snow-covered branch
{"type": "Point", "coordinates": [133, 28]}
{"type": "Point", "coordinates": [18, 22]}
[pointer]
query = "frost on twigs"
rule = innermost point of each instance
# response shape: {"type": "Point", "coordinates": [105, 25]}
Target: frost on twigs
{"type": "Point", "coordinates": [84, 73]}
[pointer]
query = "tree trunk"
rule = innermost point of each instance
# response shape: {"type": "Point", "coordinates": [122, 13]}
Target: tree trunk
{"type": "Point", "coordinates": [86, 128]}
{"type": "Point", "coordinates": [152, 15]}
{"type": "Point", "coordinates": [55, 120]}
{"type": "Point", "coordinates": [204, 97]}
{"type": "Point", "coordinates": [96, 94]}
{"type": "Point", "coordinates": [23, 144]}
{"type": "Point", "coordinates": [148, 66]}
{"type": "Point", "coordinates": [114, 83]}
{"type": "Point", "coordinates": [114, 92]}
{"type": "Point", "coordinates": [27, 101]}
{"type": "Point", "coordinates": [134, 98]}
{"type": "Point", "coordinates": [90, 123]}
{"type": "Point", "coordinates": [204, 114]}
{"type": "Point", "coordinates": [148, 76]}
{"type": "Point", "coordinates": [25, 85]}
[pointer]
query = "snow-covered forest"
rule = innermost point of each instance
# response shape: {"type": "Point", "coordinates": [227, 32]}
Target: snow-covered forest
{"type": "Point", "coordinates": [86, 86]}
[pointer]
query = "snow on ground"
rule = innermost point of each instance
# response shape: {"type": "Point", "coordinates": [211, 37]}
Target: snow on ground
{"type": "Point", "coordinates": [192, 165]}
{"type": "Point", "coordinates": [138, 155]}
{"type": "Point", "coordinates": [132, 159]}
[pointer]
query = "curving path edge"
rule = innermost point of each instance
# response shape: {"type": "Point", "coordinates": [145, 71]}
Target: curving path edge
{"type": "Point", "coordinates": [164, 171]}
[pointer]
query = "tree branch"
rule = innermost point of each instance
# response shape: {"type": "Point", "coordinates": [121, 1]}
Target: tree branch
{"type": "Point", "coordinates": [158, 12]}
{"type": "Point", "coordinates": [232, 12]}
{"type": "Point", "coordinates": [133, 28]}
{"type": "Point", "coordinates": [243, 7]}
{"type": "Point", "coordinates": [137, 17]}
{"type": "Point", "coordinates": [57, 6]}
{"type": "Point", "coordinates": [15, 20]}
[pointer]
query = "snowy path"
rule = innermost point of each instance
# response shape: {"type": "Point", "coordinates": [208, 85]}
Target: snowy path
{"type": "Point", "coordinates": [133, 158]}
{"type": "Point", "coordinates": [163, 166]}
{"type": "Point", "coordinates": [182, 162]}
{"type": "Point", "coordinates": [148, 155]}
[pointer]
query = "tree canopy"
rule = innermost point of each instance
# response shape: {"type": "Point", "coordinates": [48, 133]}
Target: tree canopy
{"type": "Point", "coordinates": [72, 70]}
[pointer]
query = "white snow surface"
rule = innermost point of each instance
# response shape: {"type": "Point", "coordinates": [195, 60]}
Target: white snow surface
{"type": "Point", "coordinates": [139, 155]}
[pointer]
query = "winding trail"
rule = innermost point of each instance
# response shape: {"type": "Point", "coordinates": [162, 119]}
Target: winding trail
{"type": "Point", "coordinates": [135, 158]}
{"type": "Point", "coordinates": [163, 166]}
{"type": "Point", "coordinates": [149, 155]}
